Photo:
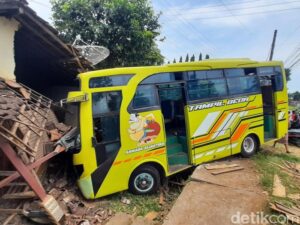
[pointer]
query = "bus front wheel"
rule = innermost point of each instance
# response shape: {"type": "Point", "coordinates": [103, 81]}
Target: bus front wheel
{"type": "Point", "coordinates": [249, 146]}
{"type": "Point", "coordinates": [144, 180]}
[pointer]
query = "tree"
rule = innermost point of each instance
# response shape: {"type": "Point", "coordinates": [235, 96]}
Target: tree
{"type": "Point", "coordinates": [180, 60]}
{"type": "Point", "coordinates": [187, 58]}
{"type": "Point", "coordinates": [296, 96]}
{"type": "Point", "coordinates": [174, 61]}
{"type": "Point", "coordinates": [288, 74]}
{"type": "Point", "coordinates": [128, 28]}
{"type": "Point", "coordinates": [192, 58]}
{"type": "Point", "coordinates": [200, 57]}
{"type": "Point", "coordinates": [206, 56]}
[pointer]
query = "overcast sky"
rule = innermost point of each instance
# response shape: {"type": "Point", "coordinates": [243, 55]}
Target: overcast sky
{"type": "Point", "coordinates": [224, 29]}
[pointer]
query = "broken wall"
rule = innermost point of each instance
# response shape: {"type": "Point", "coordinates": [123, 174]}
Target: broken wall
{"type": "Point", "coordinates": [8, 27]}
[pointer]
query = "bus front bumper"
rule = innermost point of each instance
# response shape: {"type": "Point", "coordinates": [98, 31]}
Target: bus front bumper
{"type": "Point", "coordinates": [86, 187]}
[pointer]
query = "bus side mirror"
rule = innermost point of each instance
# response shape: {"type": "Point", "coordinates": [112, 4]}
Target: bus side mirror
{"type": "Point", "coordinates": [75, 96]}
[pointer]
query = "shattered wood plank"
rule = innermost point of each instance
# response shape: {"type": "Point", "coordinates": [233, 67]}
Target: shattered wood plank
{"type": "Point", "coordinates": [278, 188]}
{"type": "Point", "coordinates": [25, 93]}
{"type": "Point", "coordinates": [227, 170]}
{"type": "Point", "coordinates": [4, 173]}
{"type": "Point", "coordinates": [293, 219]}
{"type": "Point", "coordinates": [290, 172]}
{"type": "Point", "coordinates": [287, 209]}
{"type": "Point", "coordinates": [12, 216]}
{"type": "Point", "coordinates": [294, 196]}
{"type": "Point", "coordinates": [220, 166]}
{"type": "Point", "coordinates": [9, 211]}
{"type": "Point", "coordinates": [12, 84]}
{"type": "Point", "coordinates": [55, 135]}
{"type": "Point", "coordinates": [289, 216]}
{"type": "Point", "coordinates": [21, 195]}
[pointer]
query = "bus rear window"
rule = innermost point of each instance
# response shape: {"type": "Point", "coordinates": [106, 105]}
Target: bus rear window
{"type": "Point", "coordinates": [109, 81]}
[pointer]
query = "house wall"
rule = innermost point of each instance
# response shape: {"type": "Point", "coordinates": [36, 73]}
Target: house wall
{"type": "Point", "coordinates": [8, 27]}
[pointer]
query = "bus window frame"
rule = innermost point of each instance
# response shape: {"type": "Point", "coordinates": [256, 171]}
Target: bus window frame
{"type": "Point", "coordinates": [130, 107]}
{"type": "Point", "coordinates": [118, 75]}
{"type": "Point", "coordinates": [112, 114]}
{"type": "Point", "coordinates": [273, 74]}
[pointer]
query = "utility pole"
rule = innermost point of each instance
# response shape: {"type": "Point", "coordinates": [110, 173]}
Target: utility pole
{"type": "Point", "coordinates": [273, 45]}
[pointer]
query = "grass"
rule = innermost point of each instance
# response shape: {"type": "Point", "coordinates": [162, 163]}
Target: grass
{"type": "Point", "coordinates": [267, 170]}
{"type": "Point", "coordinates": [140, 205]}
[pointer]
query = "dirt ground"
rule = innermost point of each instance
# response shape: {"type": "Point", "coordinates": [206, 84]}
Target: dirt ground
{"type": "Point", "coordinates": [280, 149]}
{"type": "Point", "coordinates": [222, 197]}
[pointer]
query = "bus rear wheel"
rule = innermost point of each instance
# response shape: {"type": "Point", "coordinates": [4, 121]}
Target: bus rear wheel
{"type": "Point", "coordinates": [144, 180]}
{"type": "Point", "coordinates": [249, 146]}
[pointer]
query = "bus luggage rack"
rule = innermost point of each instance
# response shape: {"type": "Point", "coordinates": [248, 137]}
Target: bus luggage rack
{"type": "Point", "coordinates": [24, 116]}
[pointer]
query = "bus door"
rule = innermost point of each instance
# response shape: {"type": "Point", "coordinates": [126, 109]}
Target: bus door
{"type": "Point", "coordinates": [268, 107]}
{"type": "Point", "coordinates": [173, 100]}
{"type": "Point", "coordinates": [106, 132]}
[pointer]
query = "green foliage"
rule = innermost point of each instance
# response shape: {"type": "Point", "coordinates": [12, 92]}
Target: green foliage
{"type": "Point", "coordinates": [187, 58]}
{"type": "Point", "coordinates": [192, 58]}
{"type": "Point", "coordinates": [296, 96]}
{"type": "Point", "coordinates": [200, 57]}
{"type": "Point", "coordinates": [174, 61]}
{"type": "Point", "coordinates": [206, 56]}
{"type": "Point", "coordinates": [288, 74]}
{"type": "Point", "coordinates": [180, 60]}
{"type": "Point", "coordinates": [128, 28]}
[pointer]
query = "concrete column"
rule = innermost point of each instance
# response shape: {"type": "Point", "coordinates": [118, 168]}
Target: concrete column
{"type": "Point", "coordinates": [8, 27]}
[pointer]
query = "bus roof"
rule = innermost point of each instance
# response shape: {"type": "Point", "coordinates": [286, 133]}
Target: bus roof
{"type": "Point", "coordinates": [204, 64]}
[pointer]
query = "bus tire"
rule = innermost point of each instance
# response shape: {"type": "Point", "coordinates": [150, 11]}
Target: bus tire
{"type": "Point", "coordinates": [144, 180]}
{"type": "Point", "coordinates": [249, 146]}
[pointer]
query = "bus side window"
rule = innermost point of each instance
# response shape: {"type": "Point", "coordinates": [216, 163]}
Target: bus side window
{"type": "Point", "coordinates": [274, 72]}
{"type": "Point", "coordinates": [242, 81]}
{"type": "Point", "coordinates": [145, 97]}
{"type": "Point", "coordinates": [243, 85]}
{"type": "Point", "coordinates": [204, 89]}
{"type": "Point", "coordinates": [278, 84]}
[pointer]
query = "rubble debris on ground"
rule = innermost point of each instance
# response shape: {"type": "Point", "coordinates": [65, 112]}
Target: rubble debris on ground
{"type": "Point", "coordinates": [24, 116]}
{"type": "Point", "coordinates": [217, 169]}
{"type": "Point", "coordinates": [278, 188]}
{"type": "Point", "coordinates": [220, 166]}
{"type": "Point", "coordinates": [292, 169]}
{"type": "Point", "coordinates": [125, 201]}
{"type": "Point", "coordinates": [294, 196]}
{"type": "Point", "coordinates": [291, 213]}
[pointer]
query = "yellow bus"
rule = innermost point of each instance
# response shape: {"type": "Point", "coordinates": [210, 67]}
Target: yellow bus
{"type": "Point", "coordinates": [140, 125]}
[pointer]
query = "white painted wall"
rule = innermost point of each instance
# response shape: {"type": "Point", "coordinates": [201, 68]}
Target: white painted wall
{"type": "Point", "coordinates": [8, 27]}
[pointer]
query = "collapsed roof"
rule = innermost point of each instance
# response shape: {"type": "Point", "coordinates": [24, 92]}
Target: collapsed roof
{"type": "Point", "coordinates": [42, 58]}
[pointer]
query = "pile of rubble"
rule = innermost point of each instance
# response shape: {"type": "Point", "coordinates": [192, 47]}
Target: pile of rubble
{"type": "Point", "coordinates": [292, 213]}
{"type": "Point", "coordinates": [28, 131]}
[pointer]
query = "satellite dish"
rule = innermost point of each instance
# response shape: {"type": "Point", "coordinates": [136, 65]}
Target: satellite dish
{"type": "Point", "coordinates": [93, 53]}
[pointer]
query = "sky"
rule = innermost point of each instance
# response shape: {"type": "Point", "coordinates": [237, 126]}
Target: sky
{"type": "Point", "coordinates": [224, 29]}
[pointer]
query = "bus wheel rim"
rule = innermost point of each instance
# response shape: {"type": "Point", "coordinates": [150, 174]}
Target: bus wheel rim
{"type": "Point", "coordinates": [143, 182]}
{"type": "Point", "coordinates": [248, 144]}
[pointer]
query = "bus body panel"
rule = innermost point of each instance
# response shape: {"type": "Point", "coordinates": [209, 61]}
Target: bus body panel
{"type": "Point", "coordinates": [221, 124]}
{"type": "Point", "coordinates": [214, 128]}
